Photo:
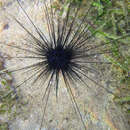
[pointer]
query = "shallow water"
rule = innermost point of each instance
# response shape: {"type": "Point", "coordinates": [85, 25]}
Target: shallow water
{"type": "Point", "coordinates": [96, 105]}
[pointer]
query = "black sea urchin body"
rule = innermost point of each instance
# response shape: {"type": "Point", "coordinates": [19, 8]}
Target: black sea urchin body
{"type": "Point", "coordinates": [59, 58]}
{"type": "Point", "coordinates": [66, 51]}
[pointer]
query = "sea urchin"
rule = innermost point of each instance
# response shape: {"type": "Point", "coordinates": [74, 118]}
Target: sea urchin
{"type": "Point", "coordinates": [65, 52]}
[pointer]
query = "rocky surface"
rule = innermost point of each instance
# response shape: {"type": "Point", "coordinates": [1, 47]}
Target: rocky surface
{"type": "Point", "coordinates": [96, 105]}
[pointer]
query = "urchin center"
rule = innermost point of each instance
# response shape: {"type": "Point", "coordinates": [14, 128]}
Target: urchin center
{"type": "Point", "coordinates": [59, 58]}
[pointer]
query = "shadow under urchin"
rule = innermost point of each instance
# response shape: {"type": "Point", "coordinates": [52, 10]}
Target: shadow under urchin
{"type": "Point", "coordinates": [66, 51]}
